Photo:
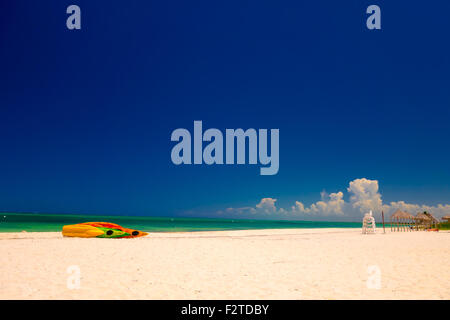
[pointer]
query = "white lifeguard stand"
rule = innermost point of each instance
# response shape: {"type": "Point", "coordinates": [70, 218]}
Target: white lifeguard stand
{"type": "Point", "coordinates": [368, 223]}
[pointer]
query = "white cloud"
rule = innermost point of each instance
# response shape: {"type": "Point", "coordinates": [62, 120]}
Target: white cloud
{"type": "Point", "coordinates": [332, 204]}
{"type": "Point", "coordinates": [438, 211]}
{"type": "Point", "coordinates": [363, 193]}
{"type": "Point", "coordinates": [267, 205]}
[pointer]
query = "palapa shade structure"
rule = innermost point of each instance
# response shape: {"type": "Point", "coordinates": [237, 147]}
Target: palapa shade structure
{"type": "Point", "coordinates": [422, 221]}
{"type": "Point", "coordinates": [435, 221]}
{"type": "Point", "coordinates": [425, 220]}
{"type": "Point", "coordinates": [446, 218]}
{"type": "Point", "coordinates": [402, 221]}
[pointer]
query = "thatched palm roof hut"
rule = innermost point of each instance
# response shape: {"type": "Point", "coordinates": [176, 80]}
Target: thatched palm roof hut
{"type": "Point", "coordinates": [401, 215]}
{"type": "Point", "coordinates": [446, 218]}
{"type": "Point", "coordinates": [434, 219]}
{"type": "Point", "coordinates": [425, 220]}
{"type": "Point", "coordinates": [423, 216]}
{"type": "Point", "coordinates": [403, 219]}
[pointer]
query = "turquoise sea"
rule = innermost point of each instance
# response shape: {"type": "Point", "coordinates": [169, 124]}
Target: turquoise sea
{"type": "Point", "coordinates": [16, 222]}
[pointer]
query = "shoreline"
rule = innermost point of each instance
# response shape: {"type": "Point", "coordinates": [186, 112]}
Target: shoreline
{"type": "Point", "coordinates": [326, 230]}
{"type": "Point", "coordinates": [318, 263]}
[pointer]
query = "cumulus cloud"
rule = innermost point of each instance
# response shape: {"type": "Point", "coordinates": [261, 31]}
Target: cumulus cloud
{"type": "Point", "coordinates": [438, 211]}
{"type": "Point", "coordinates": [267, 205]}
{"type": "Point", "coordinates": [332, 204]}
{"type": "Point", "coordinates": [363, 195]}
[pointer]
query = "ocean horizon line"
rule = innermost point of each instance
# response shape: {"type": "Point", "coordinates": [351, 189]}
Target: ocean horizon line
{"type": "Point", "coordinates": [48, 222]}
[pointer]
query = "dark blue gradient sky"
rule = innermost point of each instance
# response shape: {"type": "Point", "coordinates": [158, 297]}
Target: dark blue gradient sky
{"type": "Point", "coordinates": [86, 116]}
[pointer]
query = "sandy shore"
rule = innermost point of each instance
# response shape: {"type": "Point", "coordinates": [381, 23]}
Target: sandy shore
{"type": "Point", "coordinates": [251, 264]}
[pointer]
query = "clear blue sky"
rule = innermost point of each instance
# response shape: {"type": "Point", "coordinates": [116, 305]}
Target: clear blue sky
{"type": "Point", "coordinates": [86, 116]}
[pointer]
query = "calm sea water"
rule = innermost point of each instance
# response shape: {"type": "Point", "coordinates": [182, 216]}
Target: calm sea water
{"type": "Point", "coordinates": [15, 222]}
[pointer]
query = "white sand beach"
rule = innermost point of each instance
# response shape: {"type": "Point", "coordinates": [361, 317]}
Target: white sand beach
{"type": "Point", "coordinates": [250, 264]}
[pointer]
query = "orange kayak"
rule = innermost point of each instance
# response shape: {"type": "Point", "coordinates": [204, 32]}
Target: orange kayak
{"type": "Point", "coordinates": [100, 230]}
